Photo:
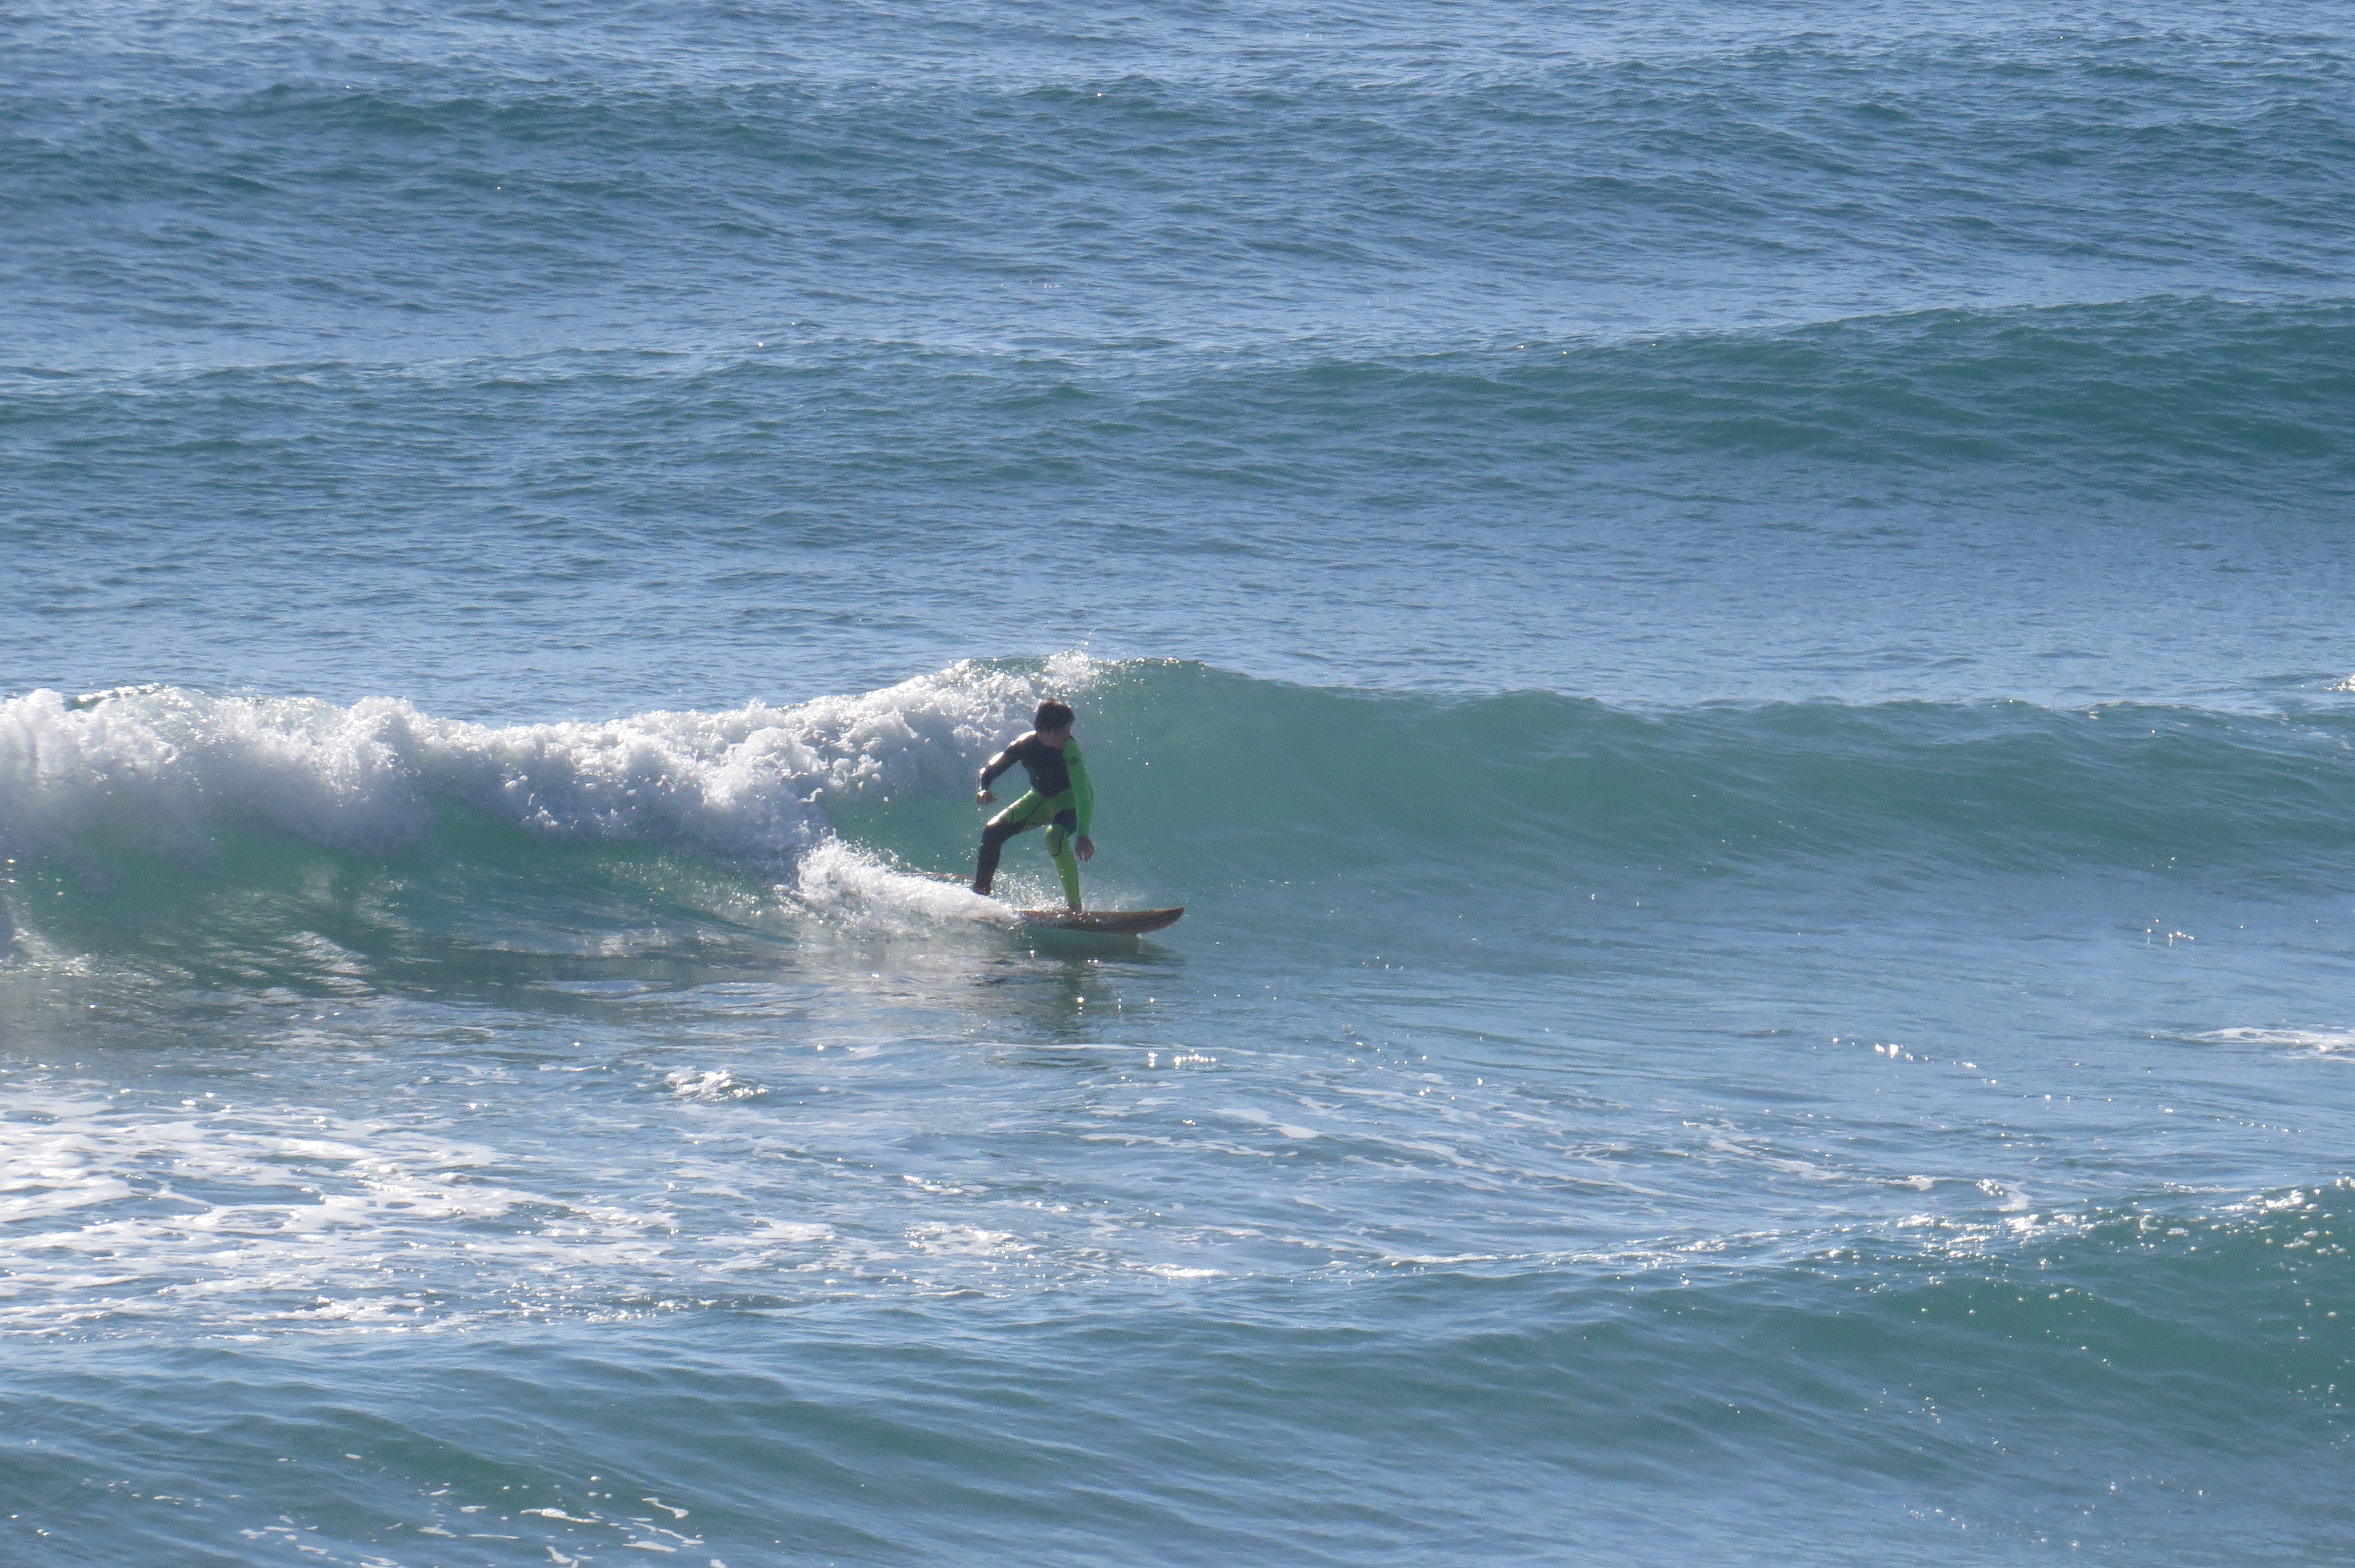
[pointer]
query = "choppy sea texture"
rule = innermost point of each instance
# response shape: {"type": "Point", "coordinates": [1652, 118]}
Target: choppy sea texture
{"type": "Point", "coordinates": [1730, 620]}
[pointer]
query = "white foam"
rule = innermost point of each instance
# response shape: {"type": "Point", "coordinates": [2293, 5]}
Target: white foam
{"type": "Point", "coordinates": [307, 1207]}
{"type": "Point", "coordinates": [843, 882]}
{"type": "Point", "coordinates": [2015, 1199]}
{"type": "Point", "coordinates": [2297, 1039]}
{"type": "Point", "coordinates": [158, 768]}
{"type": "Point", "coordinates": [970, 1241]}
{"type": "Point", "coordinates": [716, 1084]}
{"type": "Point", "coordinates": [1261, 1118]}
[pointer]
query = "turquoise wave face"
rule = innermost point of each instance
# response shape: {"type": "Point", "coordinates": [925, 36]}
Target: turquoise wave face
{"type": "Point", "coordinates": [1521, 793]}
{"type": "Point", "coordinates": [180, 846]}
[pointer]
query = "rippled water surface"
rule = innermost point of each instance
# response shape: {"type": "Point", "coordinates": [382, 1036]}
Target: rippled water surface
{"type": "Point", "coordinates": [1729, 619]}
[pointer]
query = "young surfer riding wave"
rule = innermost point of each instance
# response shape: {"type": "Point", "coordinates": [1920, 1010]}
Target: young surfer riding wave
{"type": "Point", "coordinates": [1060, 797]}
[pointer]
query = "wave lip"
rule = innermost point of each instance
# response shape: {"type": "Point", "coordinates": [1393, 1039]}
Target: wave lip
{"type": "Point", "coordinates": [156, 768]}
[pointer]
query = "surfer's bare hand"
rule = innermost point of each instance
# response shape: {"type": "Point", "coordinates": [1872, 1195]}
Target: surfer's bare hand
{"type": "Point", "coordinates": [1084, 847]}
{"type": "Point", "coordinates": [984, 796]}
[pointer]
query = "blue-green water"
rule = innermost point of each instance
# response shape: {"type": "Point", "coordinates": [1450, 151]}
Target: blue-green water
{"type": "Point", "coordinates": [1730, 620]}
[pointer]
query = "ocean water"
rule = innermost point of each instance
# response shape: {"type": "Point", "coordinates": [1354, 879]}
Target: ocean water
{"type": "Point", "coordinates": [1731, 621]}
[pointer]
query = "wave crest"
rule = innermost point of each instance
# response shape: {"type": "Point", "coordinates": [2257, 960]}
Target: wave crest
{"type": "Point", "coordinates": [157, 769]}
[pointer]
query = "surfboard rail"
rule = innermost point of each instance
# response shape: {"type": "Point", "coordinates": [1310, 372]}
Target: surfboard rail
{"type": "Point", "coordinates": [1102, 922]}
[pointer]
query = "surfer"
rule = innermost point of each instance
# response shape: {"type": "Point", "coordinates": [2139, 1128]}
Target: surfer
{"type": "Point", "coordinates": [1061, 797]}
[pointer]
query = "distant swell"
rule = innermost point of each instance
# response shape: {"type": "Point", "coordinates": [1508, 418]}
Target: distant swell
{"type": "Point", "coordinates": [2170, 394]}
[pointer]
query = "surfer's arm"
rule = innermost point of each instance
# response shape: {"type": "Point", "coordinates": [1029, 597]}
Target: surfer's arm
{"type": "Point", "coordinates": [994, 767]}
{"type": "Point", "coordinates": [999, 764]}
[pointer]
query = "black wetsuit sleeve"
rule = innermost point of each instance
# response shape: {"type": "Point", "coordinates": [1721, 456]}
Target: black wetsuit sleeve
{"type": "Point", "coordinates": [1000, 763]}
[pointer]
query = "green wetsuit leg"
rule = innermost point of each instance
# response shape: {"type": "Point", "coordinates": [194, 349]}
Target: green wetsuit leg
{"type": "Point", "coordinates": [1033, 809]}
{"type": "Point", "coordinates": [1067, 864]}
{"type": "Point", "coordinates": [1019, 818]}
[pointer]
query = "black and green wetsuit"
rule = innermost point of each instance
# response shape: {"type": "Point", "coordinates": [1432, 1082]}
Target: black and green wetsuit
{"type": "Point", "coordinates": [1061, 797]}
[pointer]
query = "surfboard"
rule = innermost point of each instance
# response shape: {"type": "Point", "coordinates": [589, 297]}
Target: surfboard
{"type": "Point", "coordinates": [1102, 922]}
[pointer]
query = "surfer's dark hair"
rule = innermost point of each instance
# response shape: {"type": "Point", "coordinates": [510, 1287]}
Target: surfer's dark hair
{"type": "Point", "coordinates": [1051, 715]}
